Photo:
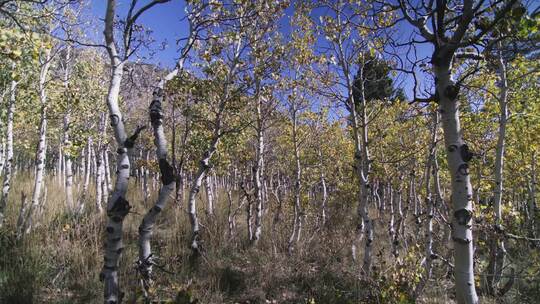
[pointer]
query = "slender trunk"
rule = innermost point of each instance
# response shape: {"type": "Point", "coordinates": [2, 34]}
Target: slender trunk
{"type": "Point", "coordinates": [430, 209]}
{"type": "Point", "coordinates": [104, 183]}
{"type": "Point", "coordinates": [399, 221]}
{"type": "Point", "coordinates": [106, 164]}
{"type": "Point", "coordinates": [66, 142]}
{"type": "Point", "coordinates": [68, 165]}
{"type": "Point", "coordinates": [41, 151]}
{"type": "Point", "coordinates": [204, 165]}
{"type": "Point", "coordinates": [249, 212]}
{"type": "Point", "coordinates": [458, 156]}
{"type": "Point", "coordinates": [179, 195]}
{"type": "Point", "coordinates": [168, 179]}
{"type": "Point", "coordinates": [230, 218]}
{"type": "Point", "coordinates": [8, 168]}
{"type": "Point", "coordinates": [259, 171]}
{"type": "Point", "coordinates": [99, 178]}
{"type": "Point", "coordinates": [87, 169]}
{"type": "Point", "coordinates": [324, 198]}
{"type": "Point", "coordinates": [2, 153]}
{"type": "Point", "coordinates": [391, 224]}
{"type": "Point", "coordinates": [146, 191]}
{"type": "Point", "coordinates": [21, 220]}
{"type": "Point", "coordinates": [117, 206]}
{"type": "Point", "coordinates": [60, 167]}
{"type": "Point", "coordinates": [298, 213]}
{"type": "Point", "coordinates": [209, 194]}
{"type": "Point", "coordinates": [361, 157]}
{"type": "Point", "coordinates": [2, 139]}
{"type": "Point", "coordinates": [363, 173]}
{"type": "Point", "coordinates": [497, 255]}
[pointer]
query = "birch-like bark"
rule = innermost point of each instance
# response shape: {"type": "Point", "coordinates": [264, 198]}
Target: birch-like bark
{"type": "Point", "coordinates": [324, 189]}
{"type": "Point", "coordinates": [258, 172]}
{"type": "Point", "coordinates": [2, 139]}
{"type": "Point", "coordinates": [204, 165]}
{"type": "Point", "coordinates": [8, 167]}
{"type": "Point", "coordinates": [298, 213]}
{"type": "Point", "coordinates": [99, 178]}
{"type": "Point", "coordinates": [101, 189]}
{"type": "Point", "coordinates": [146, 190]}
{"type": "Point", "coordinates": [107, 167]}
{"type": "Point", "coordinates": [361, 152]}
{"type": "Point", "coordinates": [59, 173]}
{"type": "Point", "coordinates": [68, 170]}
{"type": "Point", "coordinates": [42, 140]}
{"type": "Point", "coordinates": [497, 255]}
{"type": "Point", "coordinates": [458, 156]}
{"type": "Point", "coordinates": [209, 194]}
{"type": "Point", "coordinates": [117, 206]}
{"type": "Point", "coordinates": [428, 259]}
{"type": "Point", "coordinates": [363, 210]}
{"type": "Point", "coordinates": [146, 228]}
{"type": "Point", "coordinates": [230, 217]}
{"type": "Point", "coordinates": [87, 171]}
{"type": "Point", "coordinates": [249, 211]}
{"type": "Point", "coordinates": [66, 142]}
{"type": "Point", "coordinates": [2, 153]}
{"type": "Point", "coordinates": [391, 223]}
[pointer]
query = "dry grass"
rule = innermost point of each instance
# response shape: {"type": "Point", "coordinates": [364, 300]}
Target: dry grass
{"type": "Point", "coordinates": [60, 260]}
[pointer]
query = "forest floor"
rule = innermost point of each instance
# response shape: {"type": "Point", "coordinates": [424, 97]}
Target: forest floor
{"type": "Point", "coordinates": [60, 260]}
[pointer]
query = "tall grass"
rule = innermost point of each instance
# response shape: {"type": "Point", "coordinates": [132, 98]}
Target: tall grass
{"type": "Point", "coordinates": [60, 260]}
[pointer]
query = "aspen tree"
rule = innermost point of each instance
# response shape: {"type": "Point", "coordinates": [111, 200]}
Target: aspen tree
{"type": "Point", "coordinates": [449, 35]}
{"type": "Point", "coordinates": [118, 206]}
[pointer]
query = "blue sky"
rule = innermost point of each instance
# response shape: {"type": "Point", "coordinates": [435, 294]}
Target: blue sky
{"type": "Point", "coordinates": [164, 19]}
{"type": "Point", "coordinates": [166, 22]}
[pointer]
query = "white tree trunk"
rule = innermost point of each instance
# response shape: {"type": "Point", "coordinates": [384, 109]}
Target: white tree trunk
{"type": "Point", "coordinates": [324, 189]}
{"type": "Point", "coordinates": [167, 177]}
{"type": "Point", "coordinates": [68, 171]}
{"type": "Point", "coordinates": [458, 156]}
{"type": "Point", "coordinates": [42, 141]}
{"type": "Point", "coordinates": [209, 194]}
{"type": "Point", "coordinates": [204, 165]}
{"type": "Point", "coordinates": [99, 178]}
{"type": "Point", "coordinates": [259, 173]}
{"type": "Point", "coordinates": [117, 206]}
{"type": "Point", "coordinates": [146, 190]}
{"type": "Point", "coordinates": [107, 166]}
{"type": "Point", "coordinates": [298, 212]}
{"type": "Point", "coordinates": [430, 208]}
{"type": "Point", "coordinates": [2, 153]}
{"type": "Point", "coordinates": [497, 256]}
{"type": "Point", "coordinates": [8, 168]}
{"type": "Point", "coordinates": [67, 175]}
{"type": "Point", "coordinates": [87, 171]}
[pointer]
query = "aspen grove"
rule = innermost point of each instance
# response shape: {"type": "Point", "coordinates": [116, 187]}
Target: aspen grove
{"type": "Point", "coordinates": [257, 151]}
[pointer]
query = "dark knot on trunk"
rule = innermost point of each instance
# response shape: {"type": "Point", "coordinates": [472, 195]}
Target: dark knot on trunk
{"type": "Point", "coordinates": [463, 216]}
{"type": "Point", "coordinates": [115, 119]}
{"type": "Point", "coordinates": [167, 172]}
{"type": "Point", "coordinates": [120, 208]}
{"type": "Point", "coordinates": [130, 141]}
{"type": "Point", "coordinates": [466, 154]}
{"type": "Point", "coordinates": [463, 169]}
{"type": "Point", "coordinates": [451, 91]}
